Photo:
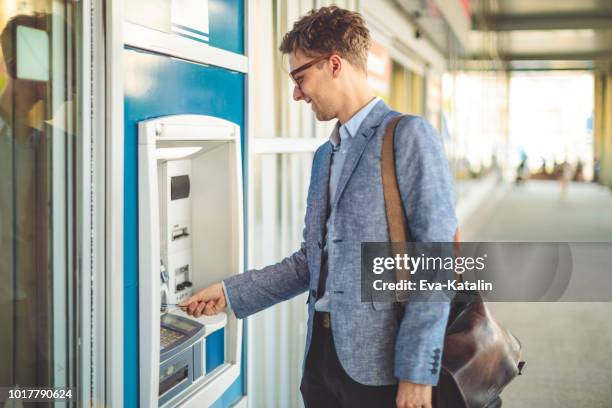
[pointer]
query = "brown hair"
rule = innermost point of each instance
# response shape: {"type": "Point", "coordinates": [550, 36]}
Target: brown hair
{"type": "Point", "coordinates": [330, 30]}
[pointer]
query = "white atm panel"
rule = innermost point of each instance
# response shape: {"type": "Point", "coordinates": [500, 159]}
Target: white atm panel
{"type": "Point", "coordinates": [214, 220]}
{"type": "Point", "coordinates": [191, 235]}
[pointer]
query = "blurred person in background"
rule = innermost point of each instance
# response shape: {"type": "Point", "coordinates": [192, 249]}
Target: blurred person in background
{"type": "Point", "coordinates": [565, 174]}
{"type": "Point", "coordinates": [579, 173]}
{"type": "Point", "coordinates": [522, 171]}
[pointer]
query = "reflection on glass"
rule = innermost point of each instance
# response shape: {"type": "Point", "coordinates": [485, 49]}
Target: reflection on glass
{"type": "Point", "coordinates": [37, 341]}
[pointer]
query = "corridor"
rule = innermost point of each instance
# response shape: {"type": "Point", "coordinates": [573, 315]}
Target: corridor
{"type": "Point", "coordinates": [566, 345]}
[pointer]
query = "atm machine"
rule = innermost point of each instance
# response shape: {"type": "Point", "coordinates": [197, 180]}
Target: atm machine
{"type": "Point", "coordinates": [190, 236]}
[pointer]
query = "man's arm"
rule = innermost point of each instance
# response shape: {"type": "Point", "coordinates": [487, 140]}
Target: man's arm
{"type": "Point", "coordinates": [258, 289]}
{"type": "Point", "coordinates": [428, 197]}
{"type": "Point", "coordinates": [253, 290]}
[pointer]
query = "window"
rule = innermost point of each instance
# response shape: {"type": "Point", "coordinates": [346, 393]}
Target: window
{"type": "Point", "coordinates": [38, 208]}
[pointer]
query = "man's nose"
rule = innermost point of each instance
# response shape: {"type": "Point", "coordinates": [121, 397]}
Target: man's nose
{"type": "Point", "coordinates": [297, 93]}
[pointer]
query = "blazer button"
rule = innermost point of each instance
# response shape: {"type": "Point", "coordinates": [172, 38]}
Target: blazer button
{"type": "Point", "coordinates": [319, 244]}
{"type": "Point", "coordinates": [313, 293]}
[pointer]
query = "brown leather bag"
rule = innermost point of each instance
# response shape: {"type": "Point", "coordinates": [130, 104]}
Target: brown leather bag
{"type": "Point", "coordinates": [480, 357]}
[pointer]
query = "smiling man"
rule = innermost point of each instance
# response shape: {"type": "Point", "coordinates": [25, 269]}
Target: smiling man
{"type": "Point", "coordinates": [358, 353]}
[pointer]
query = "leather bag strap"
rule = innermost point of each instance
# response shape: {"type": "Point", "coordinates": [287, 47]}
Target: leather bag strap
{"type": "Point", "coordinates": [393, 201]}
{"type": "Point", "coordinates": [396, 221]}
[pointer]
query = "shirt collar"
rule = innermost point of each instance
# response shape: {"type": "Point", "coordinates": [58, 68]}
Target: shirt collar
{"type": "Point", "coordinates": [350, 128]}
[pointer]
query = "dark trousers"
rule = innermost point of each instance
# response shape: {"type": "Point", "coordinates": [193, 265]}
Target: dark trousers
{"type": "Point", "coordinates": [326, 384]}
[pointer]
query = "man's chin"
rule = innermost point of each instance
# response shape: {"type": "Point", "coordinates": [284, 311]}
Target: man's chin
{"type": "Point", "coordinates": [321, 117]}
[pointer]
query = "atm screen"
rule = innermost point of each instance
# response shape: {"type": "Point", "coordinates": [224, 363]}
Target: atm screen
{"type": "Point", "coordinates": [181, 324]}
{"type": "Point", "coordinates": [179, 187]}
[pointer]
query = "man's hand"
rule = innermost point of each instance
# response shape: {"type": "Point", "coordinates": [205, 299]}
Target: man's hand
{"type": "Point", "coordinates": [208, 301]}
{"type": "Point", "coordinates": [411, 395]}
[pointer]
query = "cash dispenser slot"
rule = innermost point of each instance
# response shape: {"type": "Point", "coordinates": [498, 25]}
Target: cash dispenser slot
{"type": "Point", "coordinates": [170, 381]}
{"type": "Point", "coordinates": [182, 278]}
{"type": "Point", "coordinates": [180, 233]}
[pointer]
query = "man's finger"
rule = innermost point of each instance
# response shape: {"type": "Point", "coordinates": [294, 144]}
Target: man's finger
{"type": "Point", "coordinates": [211, 308]}
{"type": "Point", "coordinates": [187, 302]}
{"type": "Point", "coordinates": [199, 310]}
{"type": "Point", "coordinates": [201, 296]}
{"type": "Point", "coordinates": [191, 308]}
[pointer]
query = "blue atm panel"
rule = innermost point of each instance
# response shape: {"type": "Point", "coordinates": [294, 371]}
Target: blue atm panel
{"type": "Point", "coordinates": [156, 86]}
{"type": "Point", "coordinates": [218, 23]}
{"type": "Point", "coordinates": [226, 25]}
{"type": "Point", "coordinates": [214, 343]}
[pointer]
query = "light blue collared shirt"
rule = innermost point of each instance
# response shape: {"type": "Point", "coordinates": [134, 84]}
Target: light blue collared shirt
{"type": "Point", "coordinates": [340, 147]}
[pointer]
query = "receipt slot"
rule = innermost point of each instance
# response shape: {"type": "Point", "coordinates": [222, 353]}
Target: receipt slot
{"type": "Point", "coordinates": [190, 236]}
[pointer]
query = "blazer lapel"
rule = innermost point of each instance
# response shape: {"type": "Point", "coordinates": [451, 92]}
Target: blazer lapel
{"type": "Point", "coordinates": [321, 184]}
{"type": "Point", "coordinates": [358, 145]}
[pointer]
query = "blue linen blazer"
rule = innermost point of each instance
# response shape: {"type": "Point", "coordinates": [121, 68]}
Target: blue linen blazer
{"type": "Point", "coordinates": [375, 344]}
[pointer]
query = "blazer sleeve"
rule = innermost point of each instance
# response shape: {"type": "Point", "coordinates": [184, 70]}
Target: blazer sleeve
{"type": "Point", "coordinates": [428, 198]}
{"type": "Point", "coordinates": [257, 289]}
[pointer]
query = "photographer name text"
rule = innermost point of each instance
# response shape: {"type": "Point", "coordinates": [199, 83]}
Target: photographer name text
{"type": "Point", "coordinates": [424, 285]}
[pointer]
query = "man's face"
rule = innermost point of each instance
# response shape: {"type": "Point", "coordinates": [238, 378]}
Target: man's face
{"type": "Point", "coordinates": [314, 85]}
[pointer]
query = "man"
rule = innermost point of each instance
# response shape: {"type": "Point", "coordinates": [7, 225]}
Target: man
{"type": "Point", "coordinates": [357, 353]}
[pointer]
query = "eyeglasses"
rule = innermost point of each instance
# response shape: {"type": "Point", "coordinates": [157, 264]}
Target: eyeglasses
{"type": "Point", "coordinates": [305, 67]}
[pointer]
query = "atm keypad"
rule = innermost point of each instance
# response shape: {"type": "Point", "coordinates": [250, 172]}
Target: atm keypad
{"type": "Point", "coordinates": [169, 337]}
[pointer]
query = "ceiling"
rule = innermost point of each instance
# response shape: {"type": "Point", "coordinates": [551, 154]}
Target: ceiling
{"type": "Point", "coordinates": [430, 24]}
{"type": "Point", "coordinates": [542, 34]}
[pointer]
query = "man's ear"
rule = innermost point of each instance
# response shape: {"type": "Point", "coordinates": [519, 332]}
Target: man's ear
{"type": "Point", "coordinates": [336, 65]}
